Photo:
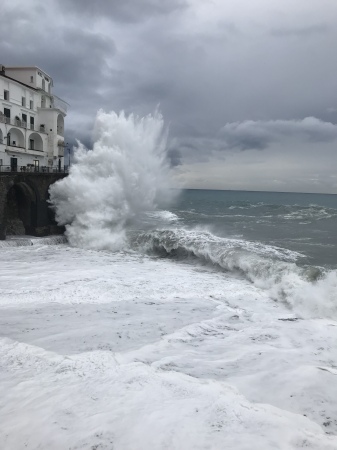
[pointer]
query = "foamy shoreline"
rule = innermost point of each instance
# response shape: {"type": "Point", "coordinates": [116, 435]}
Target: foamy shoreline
{"type": "Point", "coordinates": [124, 351]}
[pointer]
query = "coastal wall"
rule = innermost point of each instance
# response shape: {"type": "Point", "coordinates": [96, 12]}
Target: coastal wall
{"type": "Point", "coordinates": [24, 207]}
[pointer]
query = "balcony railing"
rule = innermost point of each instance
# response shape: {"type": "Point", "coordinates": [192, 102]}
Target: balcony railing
{"type": "Point", "coordinates": [33, 169]}
{"type": "Point", "coordinates": [15, 146]}
{"type": "Point", "coordinates": [60, 104]}
{"type": "Point", "coordinates": [22, 124]}
{"type": "Point", "coordinates": [4, 119]}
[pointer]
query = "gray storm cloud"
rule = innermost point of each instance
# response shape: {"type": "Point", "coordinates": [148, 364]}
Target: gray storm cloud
{"type": "Point", "coordinates": [260, 134]}
{"type": "Point", "coordinates": [227, 76]}
{"type": "Point", "coordinates": [124, 11]}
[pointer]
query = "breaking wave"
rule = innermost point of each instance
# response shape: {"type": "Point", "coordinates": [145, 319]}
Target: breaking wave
{"type": "Point", "coordinates": [310, 290]}
{"type": "Point", "coordinates": [114, 193]}
{"type": "Point", "coordinates": [125, 174]}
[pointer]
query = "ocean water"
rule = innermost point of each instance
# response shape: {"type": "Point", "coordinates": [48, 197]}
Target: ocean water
{"type": "Point", "coordinates": [169, 320]}
{"type": "Point", "coordinates": [305, 223]}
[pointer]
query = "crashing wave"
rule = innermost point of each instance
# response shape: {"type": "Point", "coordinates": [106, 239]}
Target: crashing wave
{"type": "Point", "coordinates": [310, 290]}
{"type": "Point", "coordinates": [125, 174]}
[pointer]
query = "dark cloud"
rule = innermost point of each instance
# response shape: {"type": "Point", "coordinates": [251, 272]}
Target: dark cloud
{"type": "Point", "coordinates": [260, 134]}
{"type": "Point", "coordinates": [121, 10]}
{"type": "Point", "coordinates": [205, 64]}
{"type": "Point", "coordinates": [71, 138]}
{"type": "Point", "coordinates": [72, 56]}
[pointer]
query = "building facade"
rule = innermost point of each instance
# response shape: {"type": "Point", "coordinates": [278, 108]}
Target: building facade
{"type": "Point", "coordinates": [31, 121]}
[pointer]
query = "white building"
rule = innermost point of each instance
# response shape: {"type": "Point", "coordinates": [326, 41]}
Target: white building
{"type": "Point", "coordinates": [31, 121]}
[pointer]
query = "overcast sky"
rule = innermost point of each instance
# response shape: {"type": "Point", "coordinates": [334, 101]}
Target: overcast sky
{"type": "Point", "coordinates": [248, 88]}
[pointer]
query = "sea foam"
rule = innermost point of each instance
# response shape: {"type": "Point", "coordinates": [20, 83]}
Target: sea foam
{"type": "Point", "coordinates": [310, 291]}
{"type": "Point", "coordinates": [125, 174]}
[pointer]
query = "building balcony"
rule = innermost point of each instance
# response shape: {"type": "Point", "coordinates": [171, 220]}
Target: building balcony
{"type": "Point", "coordinates": [31, 168]}
{"type": "Point", "coordinates": [4, 119]}
{"type": "Point", "coordinates": [59, 104]}
{"type": "Point", "coordinates": [15, 149]}
{"type": "Point", "coordinates": [20, 124]}
{"type": "Point", "coordinates": [28, 151]}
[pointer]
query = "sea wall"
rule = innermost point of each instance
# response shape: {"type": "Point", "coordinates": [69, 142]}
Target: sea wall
{"type": "Point", "coordinates": [24, 207]}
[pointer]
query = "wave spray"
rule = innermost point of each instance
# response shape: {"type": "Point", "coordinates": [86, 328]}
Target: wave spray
{"type": "Point", "coordinates": [125, 173]}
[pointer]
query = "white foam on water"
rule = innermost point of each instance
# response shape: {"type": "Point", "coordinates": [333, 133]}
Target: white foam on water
{"type": "Point", "coordinates": [91, 401]}
{"type": "Point", "coordinates": [310, 291]}
{"type": "Point", "coordinates": [26, 241]}
{"type": "Point", "coordinates": [310, 213]}
{"type": "Point", "coordinates": [166, 216]}
{"type": "Point", "coordinates": [120, 350]}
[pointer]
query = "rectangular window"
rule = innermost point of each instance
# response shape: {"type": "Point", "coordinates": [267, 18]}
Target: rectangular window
{"type": "Point", "coordinates": [32, 79]}
{"type": "Point", "coordinates": [23, 101]}
{"type": "Point", "coordinates": [32, 123]}
{"type": "Point", "coordinates": [7, 113]}
{"type": "Point", "coordinates": [6, 95]}
{"type": "Point", "coordinates": [24, 120]}
{"type": "Point", "coordinates": [31, 104]}
{"type": "Point", "coordinates": [31, 144]}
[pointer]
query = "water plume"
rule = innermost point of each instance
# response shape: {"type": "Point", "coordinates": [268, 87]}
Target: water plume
{"type": "Point", "coordinates": [126, 173]}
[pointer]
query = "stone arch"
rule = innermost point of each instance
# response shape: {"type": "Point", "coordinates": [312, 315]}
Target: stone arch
{"type": "Point", "coordinates": [17, 137]}
{"type": "Point", "coordinates": [35, 142]}
{"type": "Point", "coordinates": [60, 125]}
{"type": "Point", "coordinates": [33, 187]}
{"type": "Point", "coordinates": [20, 209]}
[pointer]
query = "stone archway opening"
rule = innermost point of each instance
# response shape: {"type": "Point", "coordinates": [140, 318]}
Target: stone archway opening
{"type": "Point", "coordinates": [19, 209]}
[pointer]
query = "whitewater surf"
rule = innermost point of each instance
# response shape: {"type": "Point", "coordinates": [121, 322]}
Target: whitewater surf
{"type": "Point", "coordinates": [205, 320]}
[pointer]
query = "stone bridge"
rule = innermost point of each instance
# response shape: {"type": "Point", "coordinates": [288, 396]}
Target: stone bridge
{"type": "Point", "coordinates": [24, 207]}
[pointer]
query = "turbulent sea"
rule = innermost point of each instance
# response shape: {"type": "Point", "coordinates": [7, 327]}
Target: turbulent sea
{"type": "Point", "coordinates": [210, 324]}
